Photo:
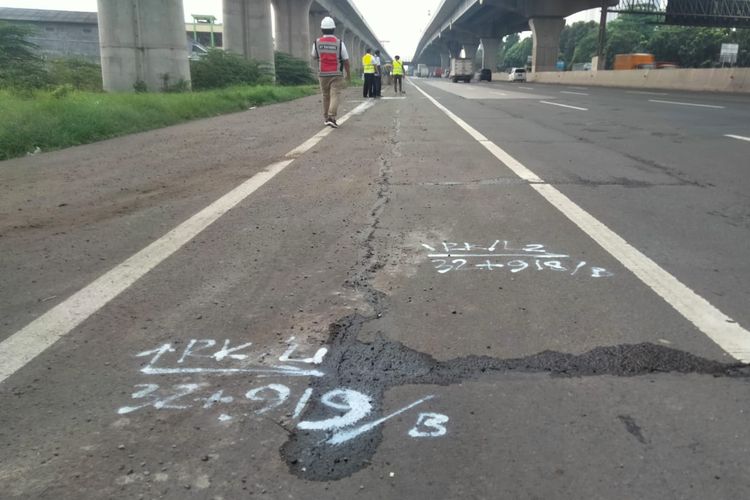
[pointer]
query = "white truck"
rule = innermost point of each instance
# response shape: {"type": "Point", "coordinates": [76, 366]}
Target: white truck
{"type": "Point", "coordinates": [423, 71]}
{"type": "Point", "coordinates": [462, 69]}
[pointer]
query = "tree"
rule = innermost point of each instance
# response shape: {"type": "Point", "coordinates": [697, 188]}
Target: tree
{"type": "Point", "coordinates": [506, 45]}
{"type": "Point", "coordinates": [517, 55]}
{"type": "Point", "coordinates": [586, 48]}
{"type": "Point", "coordinates": [571, 39]}
{"type": "Point", "coordinates": [20, 66]}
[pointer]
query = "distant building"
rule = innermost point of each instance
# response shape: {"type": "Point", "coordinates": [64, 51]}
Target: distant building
{"type": "Point", "coordinates": [60, 33]}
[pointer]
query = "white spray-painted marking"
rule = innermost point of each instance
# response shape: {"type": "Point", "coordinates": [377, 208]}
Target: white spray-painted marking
{"type": "Point", "coordinates": [27, 343]}
{"type": "Point", "coordinates": [343, 436]}
{"type": "Point", "coordinates": [282, 393]}
{"type": "Point", "coordinates": [719, 327]}
{"type": "Point", "coordinates": [160, 403]}
{"type": "Point", "coordinates": [317, 359]}
{"type": "Point", "coordinates": [215, 399]}
{"type": "Point", "coordinates": [564, 105]}
{"type": "Point", "coordinates": [226, 353]}
{"type": "Point", "coordinates": [434, 421]}
{"type": "Point", "coordinates": [516, 259]}
{"type": "Point", "coordinates": [302, 403]}
{"type": "Point", "coordinates": [356, 405]}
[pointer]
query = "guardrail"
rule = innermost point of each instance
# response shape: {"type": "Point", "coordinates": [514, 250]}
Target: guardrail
{"type": "Point", "coordinates": [710, 80]}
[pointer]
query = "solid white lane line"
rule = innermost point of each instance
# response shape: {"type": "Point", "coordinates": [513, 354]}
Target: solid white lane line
{"type": "Point", "coordinates": [526, 88]}
{"type": "Point", "coordinates": [564, 105]}
{"type": "Point", "coordinates": [719, 327]}
{"type": "Point", "coordinates": [27, 343]}
{"type": "Point", "coordinates": [573, 93]}
{"type": "Point", "coordinates": [739, 137]}
{"type": "Point", "coordinates": [687, 104]}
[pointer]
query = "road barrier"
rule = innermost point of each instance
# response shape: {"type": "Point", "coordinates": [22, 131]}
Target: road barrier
{"type": "Point", "coordinates": [714, 80]}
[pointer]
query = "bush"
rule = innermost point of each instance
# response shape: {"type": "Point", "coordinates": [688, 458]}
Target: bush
{"type": "Point", "coordinates": [20, 67]}
{"type": "Point", "coordinates": [219, 69]}
{"type": "Point", "coordinates": [292, 71]}
{"type": "Point", "coordinates": [66, 117]}
{"type": "Point", "coordinates": [80, 74]}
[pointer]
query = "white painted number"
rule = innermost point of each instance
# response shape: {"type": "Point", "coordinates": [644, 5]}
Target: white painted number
{"type": "Point", "coordinates": [166, 403]}
{"type": "Point", "coordinates": [281, 395]}
{"type": "Point", "coordinates": [355, 405]}
{"type": "Point", "coordinates": [430, 425]}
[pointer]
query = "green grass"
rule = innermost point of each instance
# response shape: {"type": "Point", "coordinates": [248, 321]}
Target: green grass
{"type": "Point", "coordinates": [48, 122]}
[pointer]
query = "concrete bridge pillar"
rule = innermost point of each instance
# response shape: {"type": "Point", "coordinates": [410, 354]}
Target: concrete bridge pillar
{"type": "Point", "coordinates": [490, 47]}
{"type": "Point", "coordinates": [293, 27]}
{"type": "Point", "coordinates": [445, 60]}
{"type": "Point", "coordinates": [315, 18]}
{"type": "Point", "coordinates": [546, 33]}
{"type": "Point", "coordinates": [350, 43]}
{"type": "Point", "coordinates": [454, 48]}
{"type": "Point", "coordinates": [142, 41]}
{"type": "Point", "coordinates": [248, 30]}
{"type": "Point", "coordinates": [470, 49]}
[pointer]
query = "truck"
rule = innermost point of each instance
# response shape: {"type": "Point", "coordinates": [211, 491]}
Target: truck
{"type": "Point", "coordinates": [462, 69]}
{"type": "Point", "coordinates": [635, 61]}
{"type": "Point", "coordinates": [423, 71]}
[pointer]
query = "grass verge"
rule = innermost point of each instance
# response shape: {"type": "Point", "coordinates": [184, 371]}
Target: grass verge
{"type": "Point", "coordinates": [48, 122]}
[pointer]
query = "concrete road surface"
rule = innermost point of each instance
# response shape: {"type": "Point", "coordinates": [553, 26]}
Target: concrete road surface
{"type": "Point", "coordinates": [471, 291]}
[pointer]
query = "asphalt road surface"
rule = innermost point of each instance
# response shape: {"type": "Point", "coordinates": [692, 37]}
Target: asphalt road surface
{"type": "Point", "coordinates": [471, 291]}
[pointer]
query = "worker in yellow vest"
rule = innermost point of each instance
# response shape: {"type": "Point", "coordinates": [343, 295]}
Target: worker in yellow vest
{"type": "Point", "coordinates": [398, 75]}
{"type": "Point", "coordinates": [368, 63]}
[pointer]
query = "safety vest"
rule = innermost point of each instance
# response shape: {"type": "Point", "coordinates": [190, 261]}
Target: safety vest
{"type": "Point", "coordinates": [328, 49]}
{"type": "Point", "coordinates": [368, 62]}
{"type": "Point", "coordinates": [398, 68]}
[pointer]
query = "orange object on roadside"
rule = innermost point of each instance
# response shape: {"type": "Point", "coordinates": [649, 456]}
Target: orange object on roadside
{"type": "Point", "coordinates": [635, 61]}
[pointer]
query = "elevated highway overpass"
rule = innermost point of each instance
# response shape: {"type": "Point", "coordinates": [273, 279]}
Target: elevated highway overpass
{"type": "Point", "coordinates": [144, 41]}
{"type": "Point", "coordinates": [465, 24]}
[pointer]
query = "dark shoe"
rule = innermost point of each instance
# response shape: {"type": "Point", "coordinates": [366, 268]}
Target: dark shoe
{"type": "Point", "coordinates": [332, 123]}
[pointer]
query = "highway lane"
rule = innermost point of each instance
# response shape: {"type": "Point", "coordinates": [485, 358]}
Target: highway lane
{"type": "Point", "coordinates": [350, 329]}
{"type": "Point", "coordinates": [625, 160]}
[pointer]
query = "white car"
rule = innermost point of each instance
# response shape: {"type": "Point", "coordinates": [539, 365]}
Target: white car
{"type": "Point", "coordinates": [517, 75]}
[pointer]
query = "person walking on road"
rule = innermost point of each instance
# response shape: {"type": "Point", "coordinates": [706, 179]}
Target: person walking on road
{"type": "Point", "coordinates": [368, 63]}
{"type": "Point", "coordinates": [333, 60]}
{"type": "Point", "coordinates": [378, 75]}
{"type": "Point", "coordinates": [398, 75]}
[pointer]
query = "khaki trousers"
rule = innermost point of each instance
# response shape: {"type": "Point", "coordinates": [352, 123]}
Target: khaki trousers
{"type": "Point", "coordinates": [331, 88]}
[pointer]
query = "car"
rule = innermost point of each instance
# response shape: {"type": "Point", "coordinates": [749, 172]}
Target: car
{"type": "Point", "coordinates": [517, 75]}
{"type": "Point", "coordinates": [485, 75]}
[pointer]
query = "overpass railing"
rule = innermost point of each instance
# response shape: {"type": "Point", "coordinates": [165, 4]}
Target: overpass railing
{"type": "Point", "coordinates": [718, 13]}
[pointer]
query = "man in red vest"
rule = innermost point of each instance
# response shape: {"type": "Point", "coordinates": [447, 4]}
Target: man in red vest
{"type": "Point", "coordinates": [333, 60]}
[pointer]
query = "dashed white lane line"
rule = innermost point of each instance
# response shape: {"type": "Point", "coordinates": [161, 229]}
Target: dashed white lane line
{"type": "Point", "coordinates": [643, 92]}
{"type": "Point", "coordinates": [564, 105]}
{"type": "Point", "coordinates": [573, 93]}
{"type": "Point", "coordinates": [719, 327]}
{"type": "Point", "coordinates": [24, 345]}
{"type": "Point", "coordinates": [738, 137]}
{"type": "Point", "coordinates": [526, 88]}
{"type": "Point", "coordinates": [686, 104]}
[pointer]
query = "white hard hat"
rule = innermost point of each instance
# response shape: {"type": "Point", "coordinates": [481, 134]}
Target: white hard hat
{"type": "Point", "coordinates": [328, 24]}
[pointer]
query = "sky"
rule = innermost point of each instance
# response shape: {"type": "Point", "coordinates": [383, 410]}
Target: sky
{"type": "Point", "coordinates": [398, 23]}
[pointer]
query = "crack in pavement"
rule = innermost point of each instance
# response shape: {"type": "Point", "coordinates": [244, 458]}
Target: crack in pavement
{"type": "Point", "coordinates": [375, 367]}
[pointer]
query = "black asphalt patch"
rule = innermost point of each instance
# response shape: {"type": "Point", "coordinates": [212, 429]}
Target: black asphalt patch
{"type": "Point", "coordinates": [373, 368]}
